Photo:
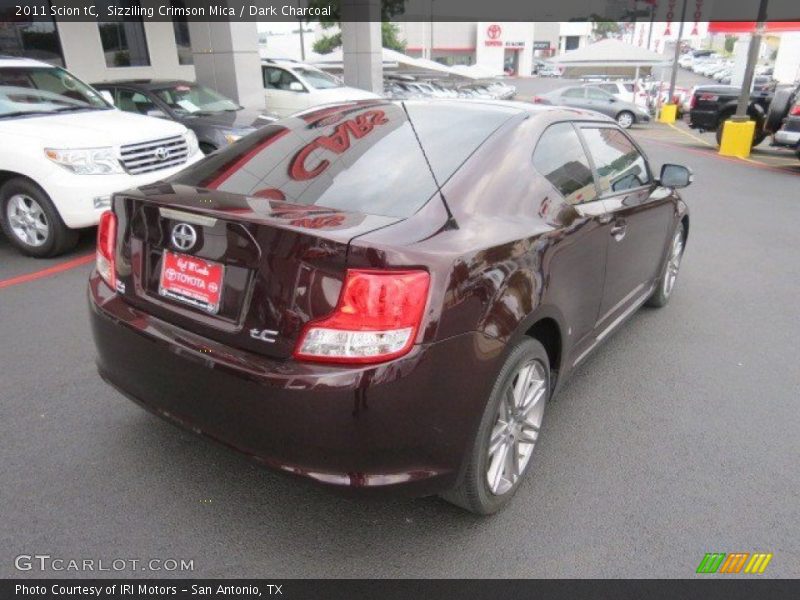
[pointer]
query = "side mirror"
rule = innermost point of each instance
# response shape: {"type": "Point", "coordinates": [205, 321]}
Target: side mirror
{"type": "Point", "coordinates": [296, 86]}
{"type": "Point", "coordinates": [107, 96]}
{"type": "Point", "coordinates": [675, 176]}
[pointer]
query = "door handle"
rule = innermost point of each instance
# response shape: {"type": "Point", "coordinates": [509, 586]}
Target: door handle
{"type": "Point", "coordinates": [618, 230]}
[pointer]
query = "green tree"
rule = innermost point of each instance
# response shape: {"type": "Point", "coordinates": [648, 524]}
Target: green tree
{"type": "Point", "coordinates": [602, 28]}
{"type": "Point", "coordinates": [389, 31]}
{"type": "Point", "coordinates": [389, 34]}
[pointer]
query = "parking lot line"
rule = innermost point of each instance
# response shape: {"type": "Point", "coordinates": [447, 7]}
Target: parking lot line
{"type": "Point", "coordinates": [689, 135]}
{"type": "Point", "coordinates": [791, 170]}
{"type": "Point", "coordinates": [48, 272]}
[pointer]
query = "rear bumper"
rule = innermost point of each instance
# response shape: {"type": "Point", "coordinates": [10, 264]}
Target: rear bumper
{"type": "Point", "coordinates": [701, 119]}
{"type": "Point", "coordinates": [787, 137]}
{"type": "Point", "coordinates": [405, 425]}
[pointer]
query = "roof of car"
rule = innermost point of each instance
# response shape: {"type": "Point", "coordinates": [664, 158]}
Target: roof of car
{"type": "Point", "coordinates": [20, 61]}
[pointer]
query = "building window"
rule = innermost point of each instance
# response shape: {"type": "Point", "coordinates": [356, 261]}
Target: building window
{"type": "Point", "coordinates": [124, 42]}
{"type": "Point", "coordinates": [572, 42]}
{"type": "Point", "coordinates": [183, 42]}
{"type": "Point", "coordinates": [37, 40]}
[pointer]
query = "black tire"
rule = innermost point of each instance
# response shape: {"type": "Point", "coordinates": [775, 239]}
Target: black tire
{"type": "Point", "coordinates": [58, 239]}
{"type": "Point", "coordinates": [474, 493]}
{"type": "Point", "coordinates": [628, 115]}
{"type": "Point", "coordinates": [207, 148]}
{"type": "Point", "coordinates": [778, 109]}
{"type": "Point", "coordinates": [663, 291]}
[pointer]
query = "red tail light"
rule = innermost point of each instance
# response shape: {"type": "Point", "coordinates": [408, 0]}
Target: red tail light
{"type": "Point", "coordinates": [539, 100]}
{"type": "Point", "coordinates": [376, 319]}
{"type": "Point", "coordinates": [693, 101]}
{"type": "Point", "coordinates": [106, 248]}
{"type": "Point", "coordinates": [795, 112]}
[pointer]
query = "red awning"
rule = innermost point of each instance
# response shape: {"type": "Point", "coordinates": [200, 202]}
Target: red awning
{"type": "Point", "coordinates": [749, 26]}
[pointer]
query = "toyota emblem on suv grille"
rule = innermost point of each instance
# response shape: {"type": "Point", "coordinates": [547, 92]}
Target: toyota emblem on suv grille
{"type": "Point", "coordinates": [184, 236]}
{"type": "Point", "coordinates": [161, 153]}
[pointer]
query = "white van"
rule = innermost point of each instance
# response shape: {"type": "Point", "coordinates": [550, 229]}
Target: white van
{"type": "Point", "coordinates": [65, 150]}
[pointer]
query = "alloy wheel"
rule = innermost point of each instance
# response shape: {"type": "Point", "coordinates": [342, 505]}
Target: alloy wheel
{"type": "Point", "coordinates": [516, 427]}
{"type": "Point", "coordinates": [625, 120]}
{"type": "Point", "coordinates": [674, 262]}
{"type": "Point", "coordinates": [27, 220]}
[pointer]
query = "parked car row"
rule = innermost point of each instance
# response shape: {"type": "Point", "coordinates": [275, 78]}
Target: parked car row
{"type": "Point", "coordinates": [404, 87]}
{"type": "Point", "coordinates": [717, 67]}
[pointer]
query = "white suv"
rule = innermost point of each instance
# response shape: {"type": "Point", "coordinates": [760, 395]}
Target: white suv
{"type": "Point", "coordinates": [290, 87]}
{"type": "Point", "coordinates": [65, 150]}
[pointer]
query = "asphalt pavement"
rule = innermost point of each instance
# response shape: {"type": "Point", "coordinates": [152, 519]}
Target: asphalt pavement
{"type": "Point", "coordinates": [679, 436]}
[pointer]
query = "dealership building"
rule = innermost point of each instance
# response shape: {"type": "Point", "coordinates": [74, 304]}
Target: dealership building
{"type": "Point", "coordinates": [498, 46]}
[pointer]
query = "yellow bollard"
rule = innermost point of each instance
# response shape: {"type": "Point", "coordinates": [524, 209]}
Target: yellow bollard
{"type": "Point", "coordinates": [668, 113]}
{"type": "Point", "coordinates": [737, 138]}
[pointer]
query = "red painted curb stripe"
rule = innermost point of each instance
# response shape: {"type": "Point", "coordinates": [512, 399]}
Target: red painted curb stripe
{"type": "Point", "coordinates": [65, 266]}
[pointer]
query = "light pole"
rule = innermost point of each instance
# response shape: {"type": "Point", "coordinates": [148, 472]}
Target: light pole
{"type": "Point", "coordinates": [739, 131]}
{"type": "Point", "coordinates": [752, 58]}
{"type": "Point", "coordinates": [674, 75]}
{"type": "Point", "coordinates": [652, 18]}
{"type": "Point", "coordinates": [302, 43]}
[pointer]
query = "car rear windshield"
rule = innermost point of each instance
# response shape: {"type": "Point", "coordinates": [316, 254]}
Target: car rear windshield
{"type": "Point", "coordinates": [364, 157]}
{"type": "Point", "coordinates": [451, 131]}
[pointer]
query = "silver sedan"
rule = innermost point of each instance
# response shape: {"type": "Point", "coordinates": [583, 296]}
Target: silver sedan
{"type": "Point", "coordinates": [593, 98]}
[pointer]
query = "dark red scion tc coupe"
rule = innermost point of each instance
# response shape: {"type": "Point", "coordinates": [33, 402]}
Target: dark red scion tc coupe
{"type": "Point", "coordinates": [385, 295]}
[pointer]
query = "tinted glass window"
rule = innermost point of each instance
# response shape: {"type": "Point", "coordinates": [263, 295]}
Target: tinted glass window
{"type": "Point", "coordinates": [573, 93]}
{"type": "Point", "coordinates": [619, 164]}
{"type": "Point", "coordinates": [124, 42]}
{"type": "Point", "coordinates": [628, 86]}
{"type": "Point", "coordinates": [357, 158]}
{"type": "Point", "coordinates": [559, 156]}
{"type": "Point", "coordinates": [450, 132]}
{"type": "Point", "coordinates": [608, 87]}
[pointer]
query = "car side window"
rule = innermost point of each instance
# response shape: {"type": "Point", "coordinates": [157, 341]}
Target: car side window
{"type": "Point", "coordinates": [133, 101]}
{"type": "Point", "coordinates": [560, 157]}
{"type": "Point", "coordinates": [620, 166]}
{"type": "Point", "coordinates": [596, 94]}
{"type": "Point", "coordinates": [279, 79]}
{"type": "Point", "coordinates": [608, 87]}
{"type": "Point", "coordinates": [574, 93]}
